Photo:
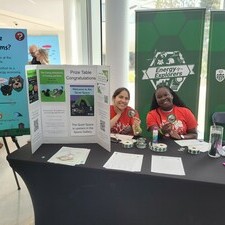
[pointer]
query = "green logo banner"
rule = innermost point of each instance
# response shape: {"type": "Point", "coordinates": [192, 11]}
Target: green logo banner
{"type": "Point", "coordinates": [216, 69]}
{"type": "Point", "coordinates": [168, 51]}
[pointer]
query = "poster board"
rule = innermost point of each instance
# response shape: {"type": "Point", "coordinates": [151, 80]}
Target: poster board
{"type": "Point", "coordinates": [48, 42]}
{"type": "Point", "coordinates": [13, 90]}
{"type": "Point", "coordinates": [69, 104]}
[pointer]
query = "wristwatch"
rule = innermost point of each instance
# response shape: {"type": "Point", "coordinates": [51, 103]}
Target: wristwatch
{"type": "Point", "coordinates": [182, 136]}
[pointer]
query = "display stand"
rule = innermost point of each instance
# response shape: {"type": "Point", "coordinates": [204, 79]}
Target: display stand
{"type": "Point", "coordinates": [8, 152]}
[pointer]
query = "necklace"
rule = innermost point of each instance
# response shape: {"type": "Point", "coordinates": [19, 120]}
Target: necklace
{"type": "Point", "coordinates": [168, 114]}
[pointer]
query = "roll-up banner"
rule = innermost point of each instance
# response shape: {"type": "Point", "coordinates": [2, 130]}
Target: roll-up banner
{"type": "Point", "coordinates": [14, 119]}
{"type": "Point", "coordinates": [215, 89]}
{"type": "Point", "coordinates": [168, 50]}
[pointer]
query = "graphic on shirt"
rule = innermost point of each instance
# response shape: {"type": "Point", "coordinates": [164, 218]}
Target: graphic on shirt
{"type": "Point", "coordinates": [177, 125]}
{"type": "Point", "coordinates": [168, 68]}
{"type": "Point", "coordinates": [120, 128]}
{"type": "Point", "coordinates": [171, 118]}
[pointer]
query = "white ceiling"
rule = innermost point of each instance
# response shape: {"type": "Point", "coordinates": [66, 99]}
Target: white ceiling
{"type": "Point", "coordinates": [42, 17]}
{"type": "Point", "coordinates": [37, 16]}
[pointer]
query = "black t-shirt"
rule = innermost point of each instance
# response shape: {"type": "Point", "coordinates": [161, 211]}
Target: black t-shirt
{"type": "Point", "coordinates": [34, 61]}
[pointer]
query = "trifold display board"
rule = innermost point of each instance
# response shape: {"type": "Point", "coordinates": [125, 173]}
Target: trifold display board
{"type": "Point", "coordinates": [168, 51]}
{"type": "Point", "coordinates": [215, 69]}
{"type": "Point", "coordinates": [69, 104]}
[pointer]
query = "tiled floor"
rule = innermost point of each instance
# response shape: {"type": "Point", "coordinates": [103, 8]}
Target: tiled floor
{"type": "Point", "coordinates": [15, 205]}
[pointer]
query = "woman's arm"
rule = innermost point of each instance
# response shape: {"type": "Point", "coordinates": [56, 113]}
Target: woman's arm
{"type": "Point", "coordinates": [114, 120]}
{"type": "Point", "coordinates": [116, 117]}
{"type": "Point", "coordinates": [191, 134]}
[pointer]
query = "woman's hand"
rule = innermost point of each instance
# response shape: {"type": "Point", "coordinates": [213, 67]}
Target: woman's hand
{"type": "Point", "coordinates": [166, 128]}
{"type": "Point", "coordinates": [136, 126]}
{"type": "Point", "coordinates": [117, 110]}
{"type": "Point", "coordinates": [137, 121]}
{"type": "Point", "coordinates": [175, 135]}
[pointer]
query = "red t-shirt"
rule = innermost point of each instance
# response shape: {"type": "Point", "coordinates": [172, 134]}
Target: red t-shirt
{"type": "Point", "coordinates": [124, 123]}
{"type": "Point", "coordinates": [184, 119]}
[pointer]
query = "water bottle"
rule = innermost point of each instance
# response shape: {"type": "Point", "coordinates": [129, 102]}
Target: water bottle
{"type": "Point", "coordinates": [215, 139]}
{"type": "Point", "coordinates": [155, 133]}
{"type": "Point", "coordinates": [137, 130]}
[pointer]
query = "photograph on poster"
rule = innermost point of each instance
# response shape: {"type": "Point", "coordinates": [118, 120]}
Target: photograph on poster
{"type": "Point", "coordinates": [52, 85]}
{"type": "Point", "coordinates": [32, 86]}
{"type": "Point", "coordinates": [52, 93]}
{"type": "Point", "coordinates": [82, 100]}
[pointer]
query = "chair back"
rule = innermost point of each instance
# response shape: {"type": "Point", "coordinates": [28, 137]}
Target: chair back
{"type": "Point", "coordinates": [218, 118]}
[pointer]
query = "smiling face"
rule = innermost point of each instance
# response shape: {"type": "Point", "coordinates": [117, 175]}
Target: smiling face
{"type": "Point", "coordinates": [164, 98]}
{"type": "Point", "coordinates": [121, 100]}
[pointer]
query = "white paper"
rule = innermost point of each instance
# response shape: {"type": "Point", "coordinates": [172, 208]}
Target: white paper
{"type": "Point", "coordinates": [35, 127]}
{"type": "Point", "coordinates": [167, 165]}
{"type": "Point", "coordinates": [199, 145]}
{"type": "Point", "coordinates": [125, 161]}
{"type": "Point", "coordinates": [54, 120]}
{"type": "Point", "coordinates": [123, 137]}
{"type": "Point", "coordinates": [70, 156]}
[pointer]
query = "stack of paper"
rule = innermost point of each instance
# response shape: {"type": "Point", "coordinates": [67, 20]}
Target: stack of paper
{"type": "Point", "coordinates": [70, 156]}
{"type": "Point", "coordinates": [167, 165]}
{"type": "Point", "coordinates": [200, 145]}
{"type": "Point", "coordinates": [125, 161]}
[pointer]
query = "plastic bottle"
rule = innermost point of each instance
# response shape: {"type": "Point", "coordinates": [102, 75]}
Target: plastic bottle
{"type": "Point", "coordinates": [155, 135]}
{"type": "Point", "coordinates": [137, 130]}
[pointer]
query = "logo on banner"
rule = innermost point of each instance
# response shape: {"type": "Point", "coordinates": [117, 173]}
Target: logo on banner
{"type": "Point", "coordinates": [220, 75]}
{"type": "Point", "coordinates": [168, 68]}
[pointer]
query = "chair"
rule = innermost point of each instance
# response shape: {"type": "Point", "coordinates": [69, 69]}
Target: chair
{"type": "Point", "coordinates": [218, 118]}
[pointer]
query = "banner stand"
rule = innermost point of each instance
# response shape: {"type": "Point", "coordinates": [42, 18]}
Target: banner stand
{"type": "Point", "coordinates": [14, 139]}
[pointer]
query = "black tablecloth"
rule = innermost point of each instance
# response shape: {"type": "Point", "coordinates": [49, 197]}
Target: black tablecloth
{"type": "Point", "coordinates": [90, 194]}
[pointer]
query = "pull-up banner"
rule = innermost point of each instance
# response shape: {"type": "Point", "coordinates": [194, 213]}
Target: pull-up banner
{"type": "Point", "coordinates": [168, 51]}
{"type": "Point", "coordinates": [215, 101]}
{"type": "Point", "coordinates": [14, 120]}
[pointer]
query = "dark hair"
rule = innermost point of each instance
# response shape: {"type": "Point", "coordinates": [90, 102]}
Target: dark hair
{"type": "Point", "coordinates": [176, 100]}
{"type": "Point", "coordinates": [119, 90]}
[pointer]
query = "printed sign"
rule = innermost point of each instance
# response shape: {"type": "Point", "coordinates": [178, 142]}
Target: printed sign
{"type": "Point", "coordinates": [215, 69]}
{"type": "Point", "coordinates": [169, 52]}
{"type": "Point", "coordinates": [14, 119]}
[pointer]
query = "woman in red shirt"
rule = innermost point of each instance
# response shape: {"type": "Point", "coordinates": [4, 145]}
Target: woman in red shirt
{"type": "Point", "coordinates": [123, 119]}
{"type": "Point", "coordinates": [170, 115]}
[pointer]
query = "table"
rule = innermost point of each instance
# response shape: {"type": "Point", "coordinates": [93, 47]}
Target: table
{"type": "Point", "coordinates": [92, 195]}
